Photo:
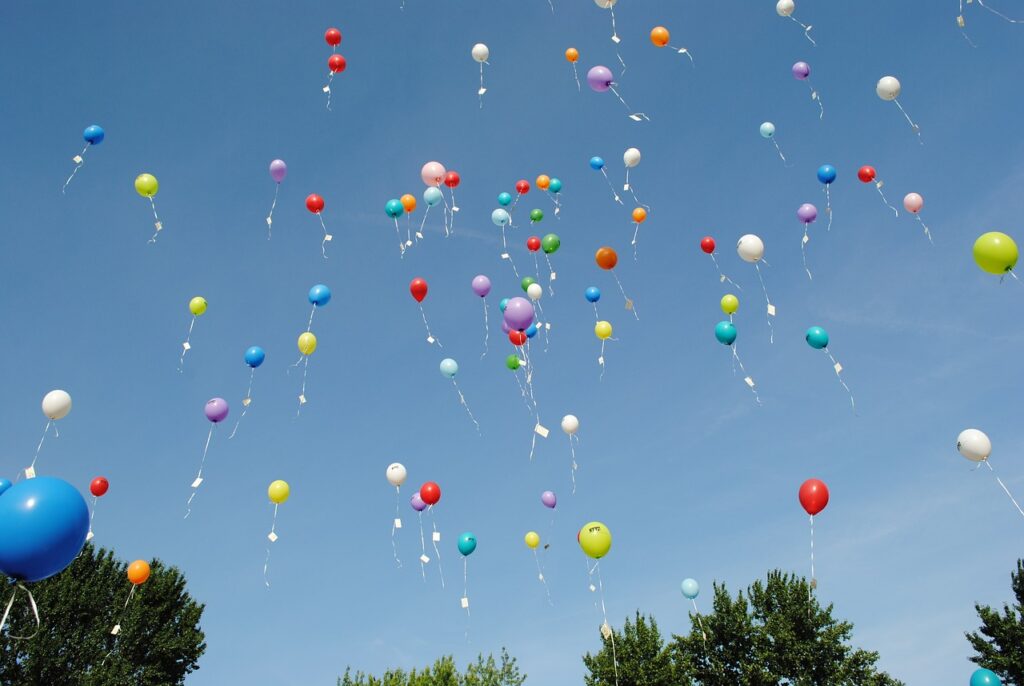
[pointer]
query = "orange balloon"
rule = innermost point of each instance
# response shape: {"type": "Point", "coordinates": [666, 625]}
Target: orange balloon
{"type": "Point", "coordinates": [606, 258]}
{"type": "Point", "coordinates": [409, 202]}
{"type": "Point", "coordinates": [543, 181]}
{"type": "Point", "coordinates": [572, 54]}
{"type": "Point", "coordinates": [639, 215]}
{"type": "Point", "coordinates": [138, 572]}
{"type": "Point", "coordinates": [659, 36]}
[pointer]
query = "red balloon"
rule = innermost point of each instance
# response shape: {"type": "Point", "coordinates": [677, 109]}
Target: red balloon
{"type": "Point", "coordinates": [333, 36]}
{"type": "Point", "coordinates": [813, 496]}
{"type": "Point", "coordinates": [522, 186]}
{"type": "Point", "coordinates": [533, 243]}
{"type": "Point", "coordinates": [336, 63]}
{"type": "Point", "coordinates": [430, 493]}
{"type": "Point", "coordinates": [517, 337]}
{"type": "Point", "coordinates": [707, 244]}
{"type": "Point", "coordinates": [418, 288]}
{"type": "Point", "coordinates": [866, 174]}
{"type": "Point", "coordinates": [314, 203]}
{"type": "Point", "coordinates": [452, 179]}
{"type": "Point", "coordinates": [99, 486]}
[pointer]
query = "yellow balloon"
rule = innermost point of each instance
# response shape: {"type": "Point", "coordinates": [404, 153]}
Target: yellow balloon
{"type": "Point", "coordinates": [278, 491]}
{"type": "Point", "coordinates": [146, 185]}
{"type": "Point", "coordinates": [603, 330]}
{"type": "Point", "coordinates": [595, 539]}
{"type": "Point", "coordinates": [730, 303]}
{"type": "Point", "coordinates": [995, 252]}
{"type": "Point", "coordinates": [532, 539]}
{"type": "Point", "coordinates": [307, 343]}
{"type": "Point", "coordinates": [197, 305]}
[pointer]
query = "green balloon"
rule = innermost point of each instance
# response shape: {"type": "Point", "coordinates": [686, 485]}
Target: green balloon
{"type": "Point", "coordinates": [536, 216]}
{"type": "Point", "coordinates": [550, 243]}
{"type": "Point", "coordinates": [527, 282]}
{"type": "Point", "coordinates": [995, 252]}
{"type": "Point", "coordinates": [512, 362]}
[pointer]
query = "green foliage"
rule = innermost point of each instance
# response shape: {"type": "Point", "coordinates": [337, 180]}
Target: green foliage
{"type": "Point", "coordinates": [444, 673]}
{"type": "Point", "coordinates": [1000, 642]}
{"type": "Point", "coordinates": [160, 640]}
{"type": "Point", "coordinates": [640, 653]}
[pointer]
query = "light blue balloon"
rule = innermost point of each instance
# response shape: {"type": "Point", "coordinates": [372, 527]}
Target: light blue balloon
{"type": "Point", "coordinates": [690, 588]}
{"type": "Point", "coordinates": [319, 295]}
{"type": "Point", "coordinates": [596, 163]}
{"type": "Point", "coordinates": [432, 196]}
{"type": "Point", "coordinates": [449, 368]}
{"type": "Point", "coordinates": [503, 304]}
{"type": "Point", "coordinates": [467, 544]}
{"type": "Point", "coordinates": [985, 677]}
{"type": "Point", "coordinates": [817, 337]}
{"type": "Point", "coordinates": [555, 185]}
{"type": "Point", "coordinates": [254, 356]}
{"type": "Point", "coordinates": [504, 199]}
{"type": "Point", "coordinates": [500, 217]}
{"type": "Point", "coordinates": [394, 208]}
{"type": "Point", "coordinates": [767, 129]}
{"type": "Point", "coordinates": [94, 134]}
{"type": "Point", "coordinates": [531, 331]}
{"type": "Point", "coordinates": [592, 294]}
{"type": "Point", "coordinates": [826, 174]}
{"type": "Point", "coordinates": [725, 332]}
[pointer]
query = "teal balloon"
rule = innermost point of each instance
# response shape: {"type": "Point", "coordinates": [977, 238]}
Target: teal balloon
{"type": "Point", "coordinates": [690, 588]}
{"type": "Point", "coordinates": [467, 544]}
{"type": "Point", "coordinates": [504, 199]}
{"type": "Point", "coordinates": [394, 208]}
{"type": "Point", "coordinates": [985, 677]}
{"type": "Point", "coordinates": [432, 196]}
{"type": "Point", "coordinates": [817, 337]}
{"type": "Point", "coordinates": [449, 368]}
{"type": "Point", "coordinates": [555, 186]}
{"type": "Point", "coordinates": [725, 332]}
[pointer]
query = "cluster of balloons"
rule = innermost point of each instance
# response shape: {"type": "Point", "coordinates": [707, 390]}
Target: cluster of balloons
{"type": "Point", "coordinates": [335, 63]}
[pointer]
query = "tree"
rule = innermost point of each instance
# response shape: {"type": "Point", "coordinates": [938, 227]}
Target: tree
{"type": "Point", "coordinates": [444, 673]}
{"type": "Point", "coordinates": [1000, 643]}
{"type": "Point", "coordinates": [160, 640]}
{"type": "Point", "coordinates": [637, 653]}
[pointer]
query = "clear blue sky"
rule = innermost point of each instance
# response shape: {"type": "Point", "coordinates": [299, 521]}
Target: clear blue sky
{"type": "Point", "coordinates": [690, 475]}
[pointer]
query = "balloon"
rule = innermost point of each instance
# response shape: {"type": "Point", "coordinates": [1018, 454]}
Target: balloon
{"type": "Point", "coordinates": [826, 174]}
{"type": "Point", "coordinates": [43, 524]}
{"type": "Point", "coordinates": [319, 295]}
{"type": "Point", "coordinates": [543, 181]}
{"type": "Point", "coordinates": [807, 213]}
{"type": "Point", "coordinates": [659, 36]}
{"type": "Point", "coordinates": [595, 540]}
{"type": "Point", "coordinates": [985, 677]}
{"type": "Point", "coordinates": [430, 493]}
{"type": "Point", "coordinates": [767, 129]}
{"type": "Point", "coordinates": [784, 8]}
{"type": "Point", "coordinates": [481, 285]}
{"type": "Point", "coordinates": [138, 572]}
{"type": "Point", "coordinates": [336, 63]}
{"type": "Point", "coordinates": [551, 243]}
{"type": "Point", "coordinates": [532, 540]}
{"type": "Point", "coordinates": [572, 54]}
{"type": "Point", "coordinates": [333, 37]}
{"type": "Point", "coordinates": [631, 157]}
{"type": "Point", "coordinates": [522, 186]}
{"type": "Point", "coordinates": [533, 243]}
{"type": "Point", "coordinates": [888, 88]}
{"type": "Point", "coordinates": [531, 330]}
{"type": "Point", "coordinates": [974, 445]}
{"type": "Point", "coordinates": [600, 79]}
{"type": "Point", "coordinates": [536, 215]}
{"type": "Point", "coordinates": [817, 337]}
{"type": "Point", "coordinates": [418, 289]}
{"type": "Point", "coordinates": [500, 217]}
{"type": "Point", "coordinates": [518, 313]}
{"type": "Point", "coordinates": [603, 330]}
{"type": "Point", "coordinates": [725, 332]}
{"type": "Point", "coordinates": [314, 203]}
{"type": "Point", "coordinates": [606, 258]}
{"type": "Point", "coordinates": [690, 588]}
{"type": "Point", "coordinates": [396, 474]}
{"type": "Point", "coordinates": [517, 338]}
{"type": "Point", "coordinates": [801, 70]}
{"type": "Point", "coordinates": [549, 499]}
{"type": "Point", "coordinates": [417, 502]}
{"type": "Point", "coordinates": [512, 362]}
{"type": "Point", "coordinates": [866, 174]}
{"type": "Point", "coordinates": [592, 294]}
{"type": "Point", "coordinates": [56, 404]}
{"type": "Point", "coordinates": [432, 196]}
{"type": "Point", "coordinates": [216, 409]}
{"type": "Point", "coordinates": [534, 292]}
{"type": "Point", "coordinates": [432, 173]}
{"type": "Point", "coordinates": [393, 208]}
{"type": "Point", "coordinates": [480, 52]}
{"type": "Point", "coordinates": [94, 134]}
{"type": "Point", "coordinates": [750, 248]}
{"type": "Point", "coordinates": [502, 304]}
{"type": "Point", "coordinates": [408, 202]}
{"type": "Point", "coordinates": [307, 343]}
{"type": "Point", "coordinates": [596, 163]}
{"type": "Point", "coordinates": [146, 185]}
{"type": "Point", "coordinates": [730, 303]}
{"type": "Point", "coordinates": [556, 185]}
{"type": "Point", "coordinates": [813, 496]}
{"type": "Point", "coordinates": [278, 491]}
{"type": "Point", "coordinates": [4, 485]}
{"type": "Point", "coordinates": [254, 356]}
{"type": "Point", "coordinates": [995, 252]}
{"type": "Point", "coordinates": [505, 328]}
{"type": "Point", "coordinates": [467, 544]}
{"type": "Point", "coordinates": [639, 215]}
{"type": "Point", "coordinates": [526, 282]}
{"type": "Point", "coordinates": [278, 169]}
{"type": "Point", "coordinates": [570, 424]}
{"type": "Point", "coordinates": [913, 202]}
{"type": "Point", "coordinates": [449, 368]}
{"type": "Point", "coordinates": [504, 199]}
{"type": "Point", "coordinates": [707, 244]}
{"type": "Point", "coordinates": [452, 179]}
{"type": "Point", "coordinates": [197, 305]}
{"type": "Point", "coordinates": [99, 486]}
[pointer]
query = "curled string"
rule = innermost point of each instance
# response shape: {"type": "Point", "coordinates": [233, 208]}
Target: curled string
{"type": "Point", "coordinates": [572, 451]}
{"type": "Point", "coordinates": [635, 116]}
{"type": "Point", "coordinates": [419, 234]}
{"type": "Point", "coordinates": [480, 93]}
{"type": "Point", "coordinates": [770, 309]}
{"type": "Point", "coordinates": [721, 276]}
{"type": "Point", "coordinates": [629, 302]}
{"type": "Point", "coordinates": [540, 577]}
{"type": "Point", "coordinates": [198, 481]}
{"type": "Point", "coordinates": [546, 324]}
{"type": "Point", "coordinates": [430, 336]}
{"type": "Point", "coordinates": [156, 222]}
{"type": "Point", "coordinates": [807, 30]}
{"type": "Point", "coordinates": [462, 401]}
{"type": "Point", "coordinates": [803, 249]}
{"type": "Point", "coordinates": [309, 324]}
{"type": "Point", "coordinates": [814, 581]}
{"type": "Point", "coordinates": [32, 467]}
{"type": "Point", "coordinates": [397, 520]}
{"type": "Point", "coordinates": [614, 194]}
{"type": "Point", "coordinates": [600, 361]}
{"type": "Point", "coordinates": [556, 202]}
{"type": "Point", "coordinates": [245, 403]}
{"type": "Point", "coordinates": [925, 227]}
{"type": "Point", "coordinates": [302, 393]}
{"type": "Point", "coordinates": [997, 13]}
{"type": "Point", "coordinates": [636, 233]}
{"type": "Point", "coordinates": [838, 368]}
{"type": "Point", "coordinates": [79, 161]}
{"type": "Point", "coordinates": [92, 515]}
{"type": "Point", "coordinates": [186, 345]}
{"type": "Point", "coordinates": [437, 551]}
{"type": "Point", "coordinates": [117, 627]}
{"type": "Point", "coordinates": [398, 235]}
{"type": "Point", "coordinates": [270, 217]}
{"type": "Point", "coordinates": [522, 392]}
{"type": "Point", "coordinates": [465, 583]}
{"type": "Point", "coordinates": [915, 127]}
{"type": "Point", "coordinates": [604, 612]}
{"type": "Point", "coordinates": [271, 537]}
{"type": "Point", "coordinates": [327, 89]}
{"type": "Point", "coordinates": [487, 330]}
{"type": "Point", "coordinates": [576, 75]}
{"type": "Point", "coordinates": [779, 150]}
{"type": "Point", "coordinates": [700, 623]}
{"type": "Point", "coordinates": [408, 229]}
{"type": "Point", "coordinates": [10, 604]}
{"type": "Point", "coordinates": [1005, 489]}
{"type": "Point", "coordinates": [536, 264]}
{"type": "Point", "coordinates": [828, 206]}
{"type": "Point", "coordinates": [327, 236]}
{"type": "Point", "coordinates": [552, 275]}
{"type": "Point", "coordinates": [878, 187]}
{"type": "Point", "coordinates": [447, 210]}
{"type": "Point", "coordinates": [597, 316]}
{"type": "Point", "coordinates": [817, 98]}
{"type": "Point", "coordinates": [423, 550]}
{"type": "Point", "coordinates": [529, 377]}
{"type": "Point", "coordinates": [615, 34]}
{"type": "Point", "coordinates": [683, 51]}
{"type": "Point", "coordinates": [746, 378]}
{"type": "Point", "coordinates": [632, 191]}
{"type": "Point", "coordinates": [506, 255]}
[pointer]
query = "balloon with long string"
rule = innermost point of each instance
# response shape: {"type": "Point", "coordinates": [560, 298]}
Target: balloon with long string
{"type": "Point", "coordinates": [550, 245]}
{"type": "Point", "coordinates": [660, 37]}
{"type": "Point", "coordinates": [430, 494]}
{"type": "Point", "coordinates": [867, 174]}
{"type": "Point", "coordinates": [533, 245]}
{"type": "Point", "coordinates": [449, 368]}
{"type": "Point", "coordinates": [827, 175]}
{"type": "Point", "coordinates": [630, 159]}
{"type": "Point", "coordinates": [802, 72]}
{"type": "Point", "coordinates": [606, 259]}
{"type": "Point", "coordinates": [216, 411]}
{"type": "Point", "coordinates": [601, 80]}
{"type": "Point", "coordinates": [513, 364]}
{"type": "Point", "coordinates": [56, 405]}
{"type": "Point", "coordinates": [518, 318]}
{"type": "Point", "coordinates": [552, 187]}
{"type": "Point", "coordinates": [396, 475]}
{"type": "Point", "coordinates": [914, 203]}
{"type": "Point", "coordinates": [197, 307]}
{"type": "Point", "coordinates": [603, 331]}
{"type": "Point", "coordinates": [333, 38]}
{"type": "Point", "coordinates": [751, 249]}
{"type": "Point", "coordinates": [570, 427]}
{"type": "Point", "coordinates": [466, 545]}
{"type": "Point", "coordinates": [817, 338]}
{"type": "Point", "coordinates": [572, 55]}
{"type": "Point", "coordinates": [394, 209]}
{"type": "Point", "coordinates": [480, 53]}
{"type": "Point", "coordinates": [319, 295]}
{"type": "Point", "coordinates": [501, 218]}
{"type": "Point", "coordinates": [138, 573]}
{"type": "Point", "coordinates": [707, 246]}
{"type": "Point", "coordinates": [278, 493]}
{"type": "Point", "coordinates": [147, 186]}
{"type": "Point", "coordinates": [768, 133]}
{"type": "Point", "coordinates": [888, 89]}
{"type": "Point", "coordinates": [418, 290]}
{"type": "Point", "coordinates": [307, 346]}
{"type": "Point", "coordinates": [549, 500]}
{"type": "Point", "coordinates": [98, 487]}
{"type": "Point", "coordinates": [610, 6]}
{"type": "Point", "coordinates": [730, 305]}
{"type": "Point", "coordinates": [93, 135]}
{"type": "Point", "coordinates": [278, 170]}
{"type": "Point", "coordinates": [408, 204]}
{"type": "Point", "coordinates": [813, 497]}
{"type": "Point", "coordinates": [254, 356]}
{"type": "Point", "coordinates": [522, 188]}
{"type": "Point", "coordinates": [597, 164]}
{"type": "Point", "coordinates": [690, 589]}
{"type": "Point", "coordinates": [416, 503]}
{"type": "Point", "coordinates": [481, 287]}
{"type": "Point", "coordinates": [596, 540]}
{"type": "Point", "coordinates": [806, 213]}
{"type": "Point", "coordinates": [994, 253]}
{"type": "Point", "coordinates": [639, 217]}
{"type": "Point", "coordinates": [315, 204]}
{"type": "Point", "coordinates": [432, 196]}
{"type": "Point", "coordinates": [452, 181]}
{"type": "Point", "coordinates": [534, 291]}
{"type": "Point", "coordinates": [532, 540]}
{"type": "Point", "coordinates": [976, 447]}
{"type": "Point", "coordinates": [725, 333]}
{"type": "Point", "coordinates": [785, 9]}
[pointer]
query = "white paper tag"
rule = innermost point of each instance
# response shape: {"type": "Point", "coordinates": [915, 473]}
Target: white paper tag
{"type": "Point", "coordinates": [197, 482]}
{"type": "Point", "coordinates": [547, 325]}
{"type": "Point", "coordinates": [838, 367]}
{"type": "Point", "coordinates": [408, 244]}
{"type": "Point", "coordinates": [328, 237]}
{"type": "Point", "coordinates": [272, 537]}
{"type": "Point", "coordinates": [302, 399]}
{"type": "Point", "coordinates": [398, 523]}
{"type": "Point", "coordinates": [771, 310]}
{"type": "Point", "coordinates": [504, 255]}
{"type": "Point", "coordinates": [246, 401]}
{"type": "Point", "coordinates": [454, 208]}
{"type": "Point", "coordinates": [327, 89]}
{"type": "Point", "coordinates": [554, 275]}
{"type": "Point", "coordinates": [116, 630]}
{"type": "Point", "coordinates": [606, 630]}
{"type": "Point", "coordinates": [879, 184]}
{"type": "Point", "coordinates": [159, 226]}
{"type": "Point", "coordinates": [593, 588]}
{"type": "Point", "coordinates": [89, 536]}
{"type": "Point", "coordinates": [616, 39]}
{"type": "Point", "coordinates": [186, 345]}
{"type": "Point", "coordinates": [541, 431]}
{"type": "Point", "coordinates": [635, 117]}
{"type": "Point", "coordinates": [77, 159]}
{"type": "Point", "coordinates": [419, 235]}
{"type": "Point", "coordinates": [430, 339]}
{"type": "Point", "coordinates": [600, 360]}
{"type": "Point", "coordinates": [750, 381]}
{"type": "Point", "coordinates": [436, 537]}
{"type": "Point", "coordinates": [960, 21]}
{"type": "Point", "coordinates": [540, 577]}
{"type": "Point", "coordinates": [806, 239]}
{"type": "Point", "coordinates": [269, 221]}
{"type": "Point", "coordinates": [465, 603]}
{"type": "Point", "coordinates": [625, 186]}
{"type": "Point", "coordinates": [721, 278]}
{"type": "Point", "coordinates": [424, 559]}
{"type": "Point", "coordinates": [481, 91]}
{"type": "Point", "coordinates": [30, 472]}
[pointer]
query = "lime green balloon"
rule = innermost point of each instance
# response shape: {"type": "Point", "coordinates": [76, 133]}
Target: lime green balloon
{"type": "Point", "coordinates": [536, 216]}
{"type": "Point", "coordinates": [995, 252]}
{"type": "Point", "coordinates": [146, 185]}
{"type": "Point", "coordinates": [595, 539]}
{"type": "Point", "coordinates": [512, 362]}
{"type": "Point", "coordinates": [527, 282]}
{"type": "Point", "coordinates": [730, 303]}
{"type": "Point", "coordinates": [550, 243]}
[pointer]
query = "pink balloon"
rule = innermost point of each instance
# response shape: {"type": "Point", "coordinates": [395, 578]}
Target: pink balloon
{"type": "Point", "coordinates": [913, 202]}
{"type": "Point", "coordinates": [432, 173]}
{"type": "Point", "coordinates": [277, 170]}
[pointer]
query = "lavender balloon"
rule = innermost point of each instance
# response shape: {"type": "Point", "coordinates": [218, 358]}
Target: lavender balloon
{"type": "Point", "coordinates": [801, 70]}
{"type": "Point", "coordinates": [519, 314]}
{"type": "Point", "coordinates": [278, 169]}
{"type": "Point", "coordinates": [600, 79]}
{"type": "Point", "coordinates": [417, 502]}
{"type": "Point", "coordinates": [216, 409]}
{"type": "Point", "coordinates": [549, 499]}
{"type": "Point", "coordinates": [505, 328]}
{"type": "Point", "coordinates": [481, 285]}
{"type": "Point", "coordinates": [807, 213]}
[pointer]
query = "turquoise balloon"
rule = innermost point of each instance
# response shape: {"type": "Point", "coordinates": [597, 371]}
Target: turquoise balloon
{"type": "Point", "coordinates": [504, 199]}
{"type": "Point", "coordinates": [817, 337]}
{"type": "Point", "coordinates": [432, 196]}
{"type": "Point", "coordinates": [449, 368]}
{"type": "Point", "coordinates": [503, 304]}
{"type": "Point", "coordinates": [985, 677]}
{"type": "Point", "coordinates": [690, 588]}
{"type": "Point", "coordinates": [555, 185]}
{"type": "Point", "coordinates": [767, 129]}
{"type": "Point", "coordinates": [500, 217]}
{"type": "Point", "coordinates": [725, 332]}
{"type": "Point", "coordinates": [394, 208]}
{"type": "Point", "coordinates": [467, 544]}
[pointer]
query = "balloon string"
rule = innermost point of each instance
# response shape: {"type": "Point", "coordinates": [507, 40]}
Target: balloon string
{"type": "Point", "coordinates": [186, 346]}
{"type": "Point", "coordinates": [615, 34]}
{"type": "Point", "coordinates": [7, 612]}
{"type": "Point", "coordinates": [629, 303]}
{"type": "Point", "coordinates": [480, 93]}
{"type": "Point", "coordinates": [998, 14]}
{"type": "Point", "coordinates": [156, 222]}
{"type": "Point", "coordinates": [927, 232]}
{"type": "Point", "coordinates": [721, 277]}
{"type": "Point", "coordinates": [92, 515]}
{"type": "Point", "coordinates": [327, 236]}
{"type": "Point", "coordinates": [79, 161]}
{"type": "Point", "coordinates": [462, 401]}
{"type": "Point", "coordinates": [540, 577]}
{"type": "Point", "coordinates": [270, 217]}
{"type": "Point", "coordinates": [430, 336]}
{"type": "Point", "coordinates": [245, 403]}
{"type": "Point", "coordinates": [683, 51]}
{"type": "Point", "coordinates": [437, 551]}
{"type": "Point", "coordinates": [746, 378]}
{"type": "Point", "coordinates": [878, 187]}
{"type": "Point", "coordinates": [576, 75]}
{"type": "Point", "coordinates": [636, 233]}
{"type": "Point", "coordinates": [915, 127]}
{"type": "Point", "coordinates": [700, 623]}
{"type": "Point", "coordinates": [803, 249]}
{"type": "Point", "coordinates": [597, 316]}
{"type": "Point", "coordinates": [327, 89]}
{"type": "Point", "coordinates": [815, 97]}
{"type": "Point", "coordinates": [198, 481]}
{"type": "Point", "coordinates": [271, 537]}
{"type": "Point", "coordinates": [771, 308]}
{"type": "Point", "coordinates": [635, 116]}
{"type": "Point", "coordinates": [487, 330]}
{"type": "Point", "coordinates": [600, 361]}
{"type": "Point", "coordinates": [465, 583]}
{"type": "Point", "coordinates": [807, 30]}
{"type": "Point", "coordinates": [529, 376]}
{"type": "Point", "coordinates": [838, 368]}
{"type": "Point", "coordinates": [408, 229]}
{"type": "Point", "coordinates": [536, 264]}
{"type": "Point", "coordinates": [447, 233]}
{"type": "Point", "coordinates": [779, 150]}
{"type": "Point", "coordinates": [606, 626]}
{"type": "Point", "coordinates": [398, 235]}
{"type": "Point", "coordinates": [1005, 489]}
{"type": "Point", "coordinates": [814, 581]}
{"type": "Point", "coordinates": [828, 206]}
{"type": "Point", "coordinates": [394, 525]}
{"type": "Point", "coordinates": [419, 234]}
{"type": "Point", "coordinates": [116, 631]}
{"type": "Point", "coordinates": [614, 194]}
{"type": "Point", "coordinates": [544, 324]}
{"type": "Point", "coordinates": [556, 202]}
{"type": "Point", "coordinates": [302, 393]}
{"type": "Point", "coordinates": [423, 550]}
{"type": "Point", "coordinates": [505, 254]}
{"type": "Point", "coordinates": [309, 324]}
{"type": "Point", "coordinates": [522, 392]}
{"type": "Point", "coordinates": [574, 466]}
{"type": "Point", "coordinates": [552, 275]}
{"type": "Point", "coordinates": [32, 467]}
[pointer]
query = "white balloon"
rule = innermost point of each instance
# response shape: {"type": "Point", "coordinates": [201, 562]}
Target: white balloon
{"type": "Point", "coordinates": [56, 404]}
{"type": "Point", "coordinates": [750, 248]}
{"type": "Point", "coordinates": [631, 157]}
{"type": "Point", "coordinates": [605, 4]}
{"type": "Point", "coordinates": [785, 8]}
{"type": "Point", "coordinates": [570, 424]}
{"type": "Point", "coordinates": [888, 88]}
{"type": "Point", "coordinates": [396, 474]}
{"type": "Point", "coordinates": [480, 52]}
{"type": "Point", "coordinates": [534, 291]}
{"type": "Point", "coordinates": [974, 445]}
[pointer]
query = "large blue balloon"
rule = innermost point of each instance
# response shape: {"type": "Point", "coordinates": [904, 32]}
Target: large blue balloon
{"type": "Point", "coordinates": [826, 174]}
{"type": "Point", "coordinates": [531, 330]}
{"type": "Point", "coordinates": [985, 677]}
{"type": "Point", "coordinates": [43, 524]}
{"type": "Point", "coordinates": [725, 332]}
{"type": "Point", "coordinates": [94, 134]}
{"type": "Point", "coordinates": [817, 337]}
{"type": "Point", "coordinates": [596, 163]}
{"type": "Point", "coordinates": [254, 356]}
{"type": "Point", "coordinates": [690, 588]}
{"type": "Point", "coordinates": [319, 295]}
{"type": "Point", "coordinates": [592, 294]}
{"type": "Point", "coordinates": [467, 543]}
{"type": "Point", "coordinates": [4, 485]}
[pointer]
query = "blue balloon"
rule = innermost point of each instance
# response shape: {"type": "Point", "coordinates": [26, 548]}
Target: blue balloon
{"type": "Point", "coordinates": [817, 337]}
{"type": "Point", "coordinates": [596, 163]}
{"type": "Point", "coordinates": [531, 331]}
{"type": "Point", "coordinates": [500, 217]}
{"type": "Point", "coordinates": [555, 185]}
{"type": "Point", "coordinates": [725, 332]}
{"type": "Point", "coordinates": [432, 196]}
{"type": "Point", "coordinates": [319, 295]}
{"type": "Point", "coordinates": [503, 304]}
{"type": "Point", "coordinates": [43, 524]}
{"type": "Point", "coordinates": [254, 356]}
{"type": "Point", "coordinates": [394, 209]}
{"type": "Point", "coordinates": [94, 134]}
{"type": "Point", "coordinates": [690, 588]}
{"type": "Point", "coordinates": [985, 677]}
{"type": "Point", "coordinates": [449, 368]}
{"type": "Point", "coordinates": [592, 294]}
{"type": "Point", "coordinates": [504, 199]}
{"type": "Point", "coordinates": [4, 485]}
{"type": "Point", "coordinates": [467, 543]}
{"type": "Point", "coordinates": [826, 174]}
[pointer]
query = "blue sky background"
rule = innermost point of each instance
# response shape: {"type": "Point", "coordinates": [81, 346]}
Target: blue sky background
{"type": "Point", "coordinates": [692, 477]}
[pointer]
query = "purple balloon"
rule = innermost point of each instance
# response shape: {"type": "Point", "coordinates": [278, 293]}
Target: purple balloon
{"type": "Point", "coordinates": [417, 502]}
{"type": "Point", "coordinates": [216, 409]}
{"type": "Point", "coordinates": [807, 213]}
{"type": "Point", "coordinates": [549, 499]}
{"type": "Point", "coordinates": [481, 285]}
{"type": "Point", "coordinates": [505, 327]}
{"type": "Point", "coordinates": [801, 70]}
{"type": "Point", "coordinates": [600, 78]}
{"type": "Point", "coordinates": [277, 170]}
{"type": "Point", "coordinates": [519, 314]}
